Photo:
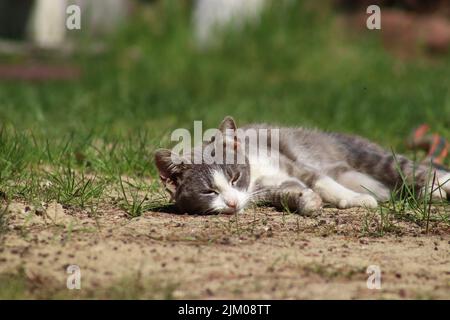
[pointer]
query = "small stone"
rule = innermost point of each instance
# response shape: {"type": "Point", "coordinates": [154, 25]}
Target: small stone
{"type": "Point", "coordinates": [209, 292]}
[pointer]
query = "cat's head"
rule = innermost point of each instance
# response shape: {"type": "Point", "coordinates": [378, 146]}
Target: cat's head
{"type": "Point", "coordinates": [206, 188]}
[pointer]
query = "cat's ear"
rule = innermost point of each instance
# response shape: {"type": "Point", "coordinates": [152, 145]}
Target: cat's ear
{"type": "Point", "coordinates": [228, 129]}
{"type": "Point", "coordinates": [170, 167]}
{"type": "Point", "coordinates": [227, 124]}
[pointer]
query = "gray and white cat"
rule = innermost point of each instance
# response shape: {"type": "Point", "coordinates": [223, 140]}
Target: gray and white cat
{"type": "Point", "coordinates": [313, 168]}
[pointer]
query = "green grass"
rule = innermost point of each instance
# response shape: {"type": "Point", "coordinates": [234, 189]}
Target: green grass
{"type": "Point", "coordinates": [67, 141]}
{"type": "Point", "coordinates": [70, 188]}
{"type": "Point", "coordinates": [407, 204]}
{"type": "Point", "coordinates": [3, 221]}
{"type": "Point", "coordinates": [132, 203]}
{"type": "Point", "coordinates": [20, 286]}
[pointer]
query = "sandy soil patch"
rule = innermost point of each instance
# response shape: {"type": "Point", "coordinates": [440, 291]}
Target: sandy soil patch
{"type": "Point", "coordinates": [261, 254]}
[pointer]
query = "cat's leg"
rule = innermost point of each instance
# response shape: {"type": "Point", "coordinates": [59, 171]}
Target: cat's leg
{"type": "Point", "coordinates": [363, 183]}
{"type": "Point", "coordinates": [289, 193]}
{"type": "Point", "coordinates": [335, 193]}
{"type": "Point", "coordinates": [397, 170]}
{"type": "Point", "coordinates": [328, 189]}
{"type": "Point", "coordinates": [428, 180]}
{"type": "Point", "coordinates": [391, 169]}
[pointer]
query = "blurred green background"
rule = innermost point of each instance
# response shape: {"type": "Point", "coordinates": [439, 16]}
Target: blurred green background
{"type": "Point", "coordinates": [295, 67]}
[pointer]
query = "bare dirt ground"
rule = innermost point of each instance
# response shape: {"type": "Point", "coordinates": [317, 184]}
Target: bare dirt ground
{"type": "Point", "coordinates": [261, 254]}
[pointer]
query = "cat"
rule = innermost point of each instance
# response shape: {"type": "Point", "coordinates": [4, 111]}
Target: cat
{"type": "Point", "coordinates": [313, 168]}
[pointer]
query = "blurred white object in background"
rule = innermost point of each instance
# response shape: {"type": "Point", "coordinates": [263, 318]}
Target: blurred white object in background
{"type": "Point", "coordinates": [213, 15]}
{"type": "Point", "coordinates": [47, 27]}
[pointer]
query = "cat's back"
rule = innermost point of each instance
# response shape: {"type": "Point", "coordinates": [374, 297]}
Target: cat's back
{"type": "Point", "coordinates": [312, 146]}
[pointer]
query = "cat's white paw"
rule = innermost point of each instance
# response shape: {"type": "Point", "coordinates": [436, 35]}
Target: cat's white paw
{"type": "Point", "coordinates": [310, 202]}
{"type": "Point", "coordinates": [436, 193]}
{"type": "Point", "coordinates": [359, 200]}
{"type": "Point", "coordinates": [444, 182]}
{"type": "Point", "coordinates": [439, 190]}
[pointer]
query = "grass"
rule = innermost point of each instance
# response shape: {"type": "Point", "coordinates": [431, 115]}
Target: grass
{"type": "Point", "coordinates": [20, 286]}
{"type": "Point", "coordinates": [408, 204]}
{"type": "Point", "coordinates": [70, 188]}
{"type": "Point", "coordinates": [70, 141]}
{"type": "Point", "coordinates": [132, 203]}
{"type": "Point", "coordinates": [3, 221]}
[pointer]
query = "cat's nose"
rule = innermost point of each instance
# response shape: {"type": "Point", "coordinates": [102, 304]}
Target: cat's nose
{"type": "Point", "coordinates": [231, 203]}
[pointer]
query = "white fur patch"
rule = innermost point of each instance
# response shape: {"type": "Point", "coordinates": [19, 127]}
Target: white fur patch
{"type": "Point", "coordinates": [362, 183]}
{"type": "Point", "coordinates": [227, 194]}
{"type": "Point", "coordinates": [265, 167]}
{"type": "Point", "coordinates": [334, 193]}
{"type": "Point", "coordinates": [445, 182]}
{"type": "Point", "coordinates": [440, 189]}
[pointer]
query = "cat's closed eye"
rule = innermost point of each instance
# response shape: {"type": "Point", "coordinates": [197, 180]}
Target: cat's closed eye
{"type": "Point", "coordinates": [210, 192]}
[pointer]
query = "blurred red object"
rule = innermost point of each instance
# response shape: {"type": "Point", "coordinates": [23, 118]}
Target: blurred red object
{"type": "Point", "coordinates": [408, 27]}
{"type": "Point", "coordinates": [418, 6]}
{"type": "Point", "coordinates": [408, 33]}
{"type": "Point", "coordinates": [39, 72]}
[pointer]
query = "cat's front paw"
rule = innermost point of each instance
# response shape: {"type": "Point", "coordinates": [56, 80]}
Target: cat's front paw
{"type": "Point", "coordinates": [309, 202]}
{"type": "Point", "coordinates": [360, 200]}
